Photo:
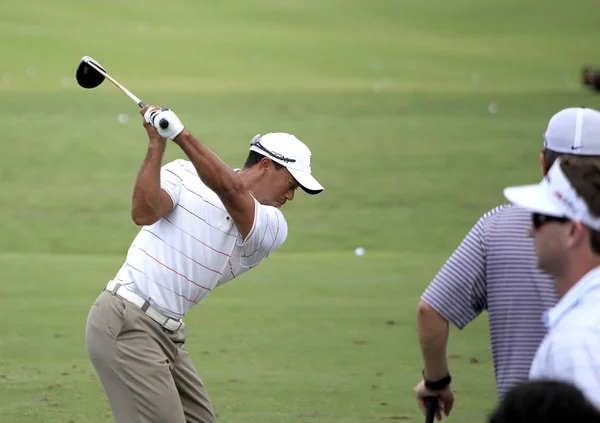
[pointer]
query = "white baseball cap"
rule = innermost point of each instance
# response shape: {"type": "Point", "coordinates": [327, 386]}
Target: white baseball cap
{"type": "Point", "coordinates": [554, 196]}
{"type": "Point", "coordinates": [575, 130]}
{"type": "Point", "coordinates": [288, 151]}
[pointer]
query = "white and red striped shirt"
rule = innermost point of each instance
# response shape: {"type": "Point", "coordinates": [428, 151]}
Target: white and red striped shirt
{"type": "Point", "coordinates": [178, 260]}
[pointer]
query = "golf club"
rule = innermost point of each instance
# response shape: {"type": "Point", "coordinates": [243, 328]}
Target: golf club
{"type": "Point", "coordinates": [90, 74]}
{"type": "Point", "coordinates": [430, 408]}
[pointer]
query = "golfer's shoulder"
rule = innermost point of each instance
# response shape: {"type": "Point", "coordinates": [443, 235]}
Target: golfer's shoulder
{"type": "Point", "coordinates": [179, 167]}
{"type": "Point", "coordinates": [274, 215]}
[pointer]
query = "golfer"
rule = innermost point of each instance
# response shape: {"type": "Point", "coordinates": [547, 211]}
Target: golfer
{"type": "Point", "coordinates": [565, 212]}
{"type": "Point", "coordinates": [203, 224]}
{"type": "Point", "coordinates": [495, 269]}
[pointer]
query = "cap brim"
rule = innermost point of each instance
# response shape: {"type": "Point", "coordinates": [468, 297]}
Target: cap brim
{"type": "Point", "coordinates": [307, 182]}
{"type": "Point", "coordinates": [533, 198]}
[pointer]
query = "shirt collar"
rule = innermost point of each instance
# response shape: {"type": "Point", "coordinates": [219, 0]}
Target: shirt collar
{"type": "Point", "coordinates": [589, 281]}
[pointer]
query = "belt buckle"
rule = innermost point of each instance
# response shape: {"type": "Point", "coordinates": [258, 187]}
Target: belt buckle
{"type": "Point", "coordinates": [179, 322]}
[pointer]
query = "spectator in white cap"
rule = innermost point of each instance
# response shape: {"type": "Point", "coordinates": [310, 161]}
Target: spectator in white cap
{"type": "Point", "coordinates": [565, 213]}
{"type": "Point", "coordinates": [202, 225]}
{"type": "Point", "coordinates": [494, 269]}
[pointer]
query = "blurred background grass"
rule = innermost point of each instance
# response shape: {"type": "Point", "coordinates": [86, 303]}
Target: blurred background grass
{"type": "Point", "coordinates": [417, 114]}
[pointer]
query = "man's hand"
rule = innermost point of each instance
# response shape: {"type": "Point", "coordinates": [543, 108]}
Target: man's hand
{"type": "Point", "coordinates": [155, 116]}
{"type": "Point", "coordinates": [153, 135]}
{"type": "Point", "coordinates": [445, 398]}
{"type": "Point", "coordinates": [149, 201]}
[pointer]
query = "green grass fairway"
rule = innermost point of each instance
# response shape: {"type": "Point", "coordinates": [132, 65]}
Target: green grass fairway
{"type": "Point", "coordinates": [394, 99]}
{"type": "Point", "coordinates": [333, 344]}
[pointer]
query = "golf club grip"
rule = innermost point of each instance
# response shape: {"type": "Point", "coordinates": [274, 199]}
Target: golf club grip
{"type": "Point", "coordinates": [430, 408]}
{"type": "Point", "coordinates": [164, 124]}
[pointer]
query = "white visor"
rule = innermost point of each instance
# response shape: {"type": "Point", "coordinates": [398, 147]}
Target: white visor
{"type": "Point", "coordinates": [553, 196]}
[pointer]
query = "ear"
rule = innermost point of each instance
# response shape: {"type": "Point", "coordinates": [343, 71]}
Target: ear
{"type": "Point", "coordinates": [265, 164]}
{"type": "Point", "coordinates": [543, 163]}
{"type": "Point", "coordinates": [578, 235]}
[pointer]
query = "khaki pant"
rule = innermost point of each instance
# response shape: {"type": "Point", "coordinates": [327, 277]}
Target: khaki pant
{"type": "Point", "coordinates": [147, 375]}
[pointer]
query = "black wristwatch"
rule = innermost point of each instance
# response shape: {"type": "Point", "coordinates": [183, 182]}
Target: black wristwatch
{"type": "Point", "coordinates": [437, 385]}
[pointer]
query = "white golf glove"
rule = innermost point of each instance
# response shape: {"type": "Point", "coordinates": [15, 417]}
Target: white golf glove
{"type": "Point", "coordinates": [156, 117]}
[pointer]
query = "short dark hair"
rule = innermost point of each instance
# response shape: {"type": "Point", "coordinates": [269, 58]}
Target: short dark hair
{"type": "Point", "coordinates": [254, 158]}
{"type": "Point", "coordinates": [545, 401]}
{"type": "Point", "coordinates": [583, 172]}
{"type": "Point", "coordinates": [550, 157]}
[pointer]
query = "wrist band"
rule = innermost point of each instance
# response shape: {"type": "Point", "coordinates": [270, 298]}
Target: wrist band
{"type": "Point", "coordinates": [437, 385]}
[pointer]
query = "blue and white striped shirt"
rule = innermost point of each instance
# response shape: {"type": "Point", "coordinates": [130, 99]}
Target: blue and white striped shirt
{"type": "Point", "coordinates": [570, 352]}
{"type": "Point", "coordinates": [495, 269]}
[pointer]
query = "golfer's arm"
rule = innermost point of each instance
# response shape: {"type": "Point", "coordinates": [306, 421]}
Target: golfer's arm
{"type": "Point", "coordinates": [433, 339]}
{"type": "Point", "coordinates": [220, 178]}
{"type": "Point", "coordinates": [150, 202]}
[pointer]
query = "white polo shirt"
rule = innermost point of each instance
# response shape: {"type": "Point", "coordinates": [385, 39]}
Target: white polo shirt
{"type": "Point", "coordinates": [570, 352]}
{"type": "Point", "coordinates": [178, 260]}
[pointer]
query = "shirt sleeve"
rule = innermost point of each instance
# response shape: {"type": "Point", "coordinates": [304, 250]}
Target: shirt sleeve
{"type": "Point", "coordinates": [268, 233]}
{"type": "Point", "coordinates": [459, 290]}
{"type": "Point", "coordinates": [572, 356]}
{"type": "Point", "coordinates": [171, 181]}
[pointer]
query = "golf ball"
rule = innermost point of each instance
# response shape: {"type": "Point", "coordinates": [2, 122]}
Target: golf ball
{"type": "Point", "coordinates": [123, 118]}
{"type": "Point", "coordinates": [359, 251]}
{"type": "Point", "coordinates": [493, 108]}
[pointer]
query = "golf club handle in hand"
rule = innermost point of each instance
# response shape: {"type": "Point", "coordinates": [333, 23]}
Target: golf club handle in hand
{"type": "Point", "coordinates": [163, 122]}
{"type": "Point", "coordinates": [430, 408]}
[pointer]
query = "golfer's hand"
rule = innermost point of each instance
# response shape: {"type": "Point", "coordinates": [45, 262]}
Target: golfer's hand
{"type": "Point", "coordinates": [164, 117]}
{"type": "Point", "coordinates": [153, 135]}
{"type": "Point", "coordinates": [445, 399]}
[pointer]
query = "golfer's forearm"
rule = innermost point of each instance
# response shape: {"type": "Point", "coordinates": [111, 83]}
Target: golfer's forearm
{"type": "Point", "coordinates": [145, 208]}
{"type": "Point", "coordinates": [433, 340]}
{"type": "Point", "coordinates": [215, 173]}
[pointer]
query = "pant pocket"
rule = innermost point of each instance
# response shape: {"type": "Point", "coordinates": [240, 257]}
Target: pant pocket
{"type": "Point", "coordinates": [117, 316]}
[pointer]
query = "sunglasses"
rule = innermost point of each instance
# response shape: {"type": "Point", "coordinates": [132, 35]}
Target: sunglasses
{"type": "Point", "coordinates": [537, 219]}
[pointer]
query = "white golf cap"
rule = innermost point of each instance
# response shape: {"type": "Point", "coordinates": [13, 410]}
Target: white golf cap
{"type": "Point", "coordinates": [289, 151]}
{"type": "Point", "coordinates": [575, 130]}
{"type": "Point", "coordinates": [554, 196]}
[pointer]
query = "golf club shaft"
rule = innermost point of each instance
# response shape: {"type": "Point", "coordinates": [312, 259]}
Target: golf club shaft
{"type": "Point", "coordinates": [116, 83]}
{"type": "Point", "coordinates": [163, 123]}
{"type": "Point", "coordinates": [430, 409]}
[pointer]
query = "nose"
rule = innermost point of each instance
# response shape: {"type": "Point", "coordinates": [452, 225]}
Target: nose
{"type": "Point", "coordinates": [289, 195]}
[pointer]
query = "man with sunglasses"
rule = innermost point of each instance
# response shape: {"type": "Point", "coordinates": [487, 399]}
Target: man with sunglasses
{"type": "Point", "coordinates": [494, 269]}
{"type": "Point", "coordinates": [203, 224]}
{"type": "Point", "coordinates": [565, 209]}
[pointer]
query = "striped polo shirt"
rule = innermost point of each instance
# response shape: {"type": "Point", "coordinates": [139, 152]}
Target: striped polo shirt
{"type": "Point", "coordinates": [178, 260]}
{"type": "Point", "coordinates": [495, 269]}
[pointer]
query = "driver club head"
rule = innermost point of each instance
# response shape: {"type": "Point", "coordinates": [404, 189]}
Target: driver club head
{"type": "Point", "coordinates": [88, 77]}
